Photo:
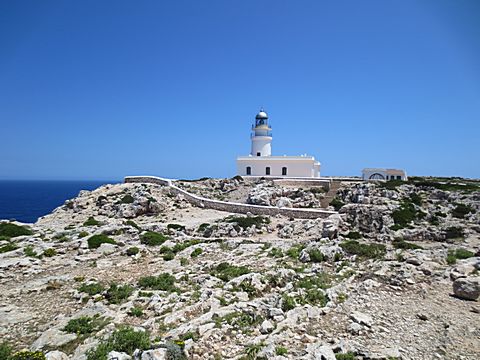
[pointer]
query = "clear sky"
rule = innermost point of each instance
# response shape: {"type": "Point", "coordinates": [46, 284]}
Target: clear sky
{"type": "Point", "coordinates": [103, 89]}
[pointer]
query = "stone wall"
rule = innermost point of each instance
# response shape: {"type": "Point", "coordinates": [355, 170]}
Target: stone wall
{"type": "Point", "coordinates": [230, 206]}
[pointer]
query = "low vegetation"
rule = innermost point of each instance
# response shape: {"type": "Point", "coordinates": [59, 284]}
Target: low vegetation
{"type": "Point", "coordinates": [9, 230]}
{"type": "Point", "coordinates": [95, 241]}
{"type": "Point", "coordinates": [91, 222]}
{"type": "Point", "coordinates": [125, 339]}
{"type": "Point", "coordinates": [116, 294]}
{"type": "Point", "coordinates": [163, 282]}
{"type": "Point", "coordinates": [85, 325]}
{"type": "Point", "coordinates": [127, 199]}
{"type": "Point", "coordinates": [367, 251]}
{"type": "Point", "coordinates": [91, 289]}
{"type": "Point", "coordinates": [458, 254]}
{"type": "Point", "coordinates": [247, 221]}
{"type": "Point", "coordinates": [227, 272]}
{"type": "Point", "coordinates": [152, 238]}
{"type": "Point", "coordinates": [461, 210]}
{"type": "Point", "coordinates": [402, 244]}
{"type": "Point", "coordinates": [132, 251]}
{"type": "Point", "coordinates": [8, 247]}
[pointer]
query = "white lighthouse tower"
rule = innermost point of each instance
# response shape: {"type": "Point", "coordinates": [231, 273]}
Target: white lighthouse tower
{"type": "Point", "coordinates": [261, 136]}
{"type": "Point", "coordinates": [260, 161]}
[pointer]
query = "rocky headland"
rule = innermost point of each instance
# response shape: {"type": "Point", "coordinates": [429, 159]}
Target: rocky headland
{"type": "Point", "coordinates": [134, 271]}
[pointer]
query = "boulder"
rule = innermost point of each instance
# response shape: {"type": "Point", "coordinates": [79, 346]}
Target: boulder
{"type": "Point", "coordinates": [156, 354]}
{"type": "Point", "coordinates": [56, 355]}
{"type": "Point", "coordinates": [467, 288]}
{"type": "Point", "coordinates": [115, 355]}
{"type": "Point", "coordinates": [361, 318]}
{"type": "Point", "coordinates": [320, 351]}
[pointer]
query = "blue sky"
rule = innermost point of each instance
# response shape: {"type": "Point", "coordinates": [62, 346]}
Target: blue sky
{"type": "Point", "coordinates": [104, 89]}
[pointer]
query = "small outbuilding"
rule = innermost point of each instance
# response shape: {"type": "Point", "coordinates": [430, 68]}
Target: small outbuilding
{"type": "Point", "coordinates": [384, 174]}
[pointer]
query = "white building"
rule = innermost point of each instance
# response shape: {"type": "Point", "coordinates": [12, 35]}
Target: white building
{"type": "Point", "coordinates": [384, 174]}
{"type": "Point", "coordinates": [260, 162]}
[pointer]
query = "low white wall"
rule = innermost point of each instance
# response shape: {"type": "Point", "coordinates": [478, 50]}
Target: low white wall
{"type": "Point", "coordinates": [230, 206]}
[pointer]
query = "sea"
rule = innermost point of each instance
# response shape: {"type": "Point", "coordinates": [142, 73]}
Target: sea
{"type": "Point", "coordinates": [27, 200]}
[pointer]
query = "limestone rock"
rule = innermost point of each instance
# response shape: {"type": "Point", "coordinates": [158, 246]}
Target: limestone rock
{"type": "Point", "coordinates": [115, 355]}
{"type": "Point", "coordinates": [156, 354]}
{"type": "Point", "coordinates": [56, 355]}
{"type": "Point", "coordinates": [467, 288]}
{"type": "Point", "coordinates": [361, 318]}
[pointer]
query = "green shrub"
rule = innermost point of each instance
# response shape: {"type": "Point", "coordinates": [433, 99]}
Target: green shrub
{"type": "Point", "coordinates": [116, 294]}
{"type": "Point", "coordinates": [280, 351]}
{"type": "Point", "coordinates": [454, 255]}
{"type": "Point", "coordinates": [127, 199]}
{"type": "Point", "coordinates": [404, 215]}
{"type": "Point", "coordinates": [240, 320]}
{"type": "Point", "coordinates": [316, 255]}
{"type": "Point", "coordinates": [354, 235]}
{"type": "Point", "coordinates": [454, 232]}
{"type": "Point", "coordinates": [8, 247]}
{"type": "Point", "coordinates": [82, 234]}
{"type": "Point", "coordinates": [136, 311]}
{"type": "Point", "coordinates": [295, 250]}
{"type": "Point", "coordinates": [132, 251]}
{"type": "Point", "coordinates": [125, 339]}
{"type": "Point", "coordinates": [463, 254]}
{"type": "Point", "coordinates": [461, 210]}
{"type": "Point", "coordinates": [416, 199]}
{"type": "Point", "coordinates": [176, 227]}
{"type": "Point", "coordinates": [85, 325]}
{"type": "Point", "coordinates": [50, 252]}
{"type": "Point", "coordinates": [276, 253]}
{"type": "Point", "coordinates": [164, 282]}
{"type": "Point", "coordinates": [203, 227]}
{"type": "Point", "coordinates": [28, 251]}
{"type": "Point", "coordinates": [227, 272]}
{"type": "Point", "coordinates": [132, 224]}
{"type": "Point", "coordinates": [152, 238]}
{"type": "Point", "coordinates": [95, 241]}
{"type": "Point", "coordinates": [320, 280]}
{"type": "Point", "coordinates": [92, 288]}
{"type": "Point", "coordinates": [402, 244]}
{"type": "Point", "coordinates": [91, 222]}
{"type": "Point", "coordinates": [28, 355]}
{"type": "Point", "coordinates": [370, 251]}
{"type": "Point", "coordinates": [288, 303]}
{"type": "Point", "coordinates": [246, 222]}
{"type": "Point", "coordinates": [345, 356]}
{"type": "Point", "coordinates": [169, 255]}
{"type": "Point", "coordinates": [9, 230]}
{"type": "Point", "coordinates": [336, 203]}
{"type": "Point", "coordinates": [182, 246]}
{"type": "Point", "coordinates": [313, 297]}
{"type": "Point", "coordinates": [196, 252]}
{"type": "Point", "coordinates": [251, 351]}
{"type": "Point", "coordinates": [391, 184]}
{"type": "Point", "coordinates": [5, 351]}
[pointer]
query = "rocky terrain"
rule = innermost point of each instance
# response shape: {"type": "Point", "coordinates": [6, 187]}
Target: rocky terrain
{"type": "Point", "coordinates": [131, 271]}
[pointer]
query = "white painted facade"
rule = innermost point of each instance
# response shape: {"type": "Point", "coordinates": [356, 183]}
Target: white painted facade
{"type": "Point", "coordinates": [384, 174]}
{"type": "Point", "coordinates": [260, 162]}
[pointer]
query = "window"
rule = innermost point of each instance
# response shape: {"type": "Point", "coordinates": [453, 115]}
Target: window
{"type": "Point", "coordinates": [249, 170]}
{"type": "Point", "coordinates": [284, 170]}
{"type": "Point", "coordinates": [258, 154]}
{"type": "Point", "coordinates": [399, 177]}
{"type": "Point", "coordinates": [267, 170]}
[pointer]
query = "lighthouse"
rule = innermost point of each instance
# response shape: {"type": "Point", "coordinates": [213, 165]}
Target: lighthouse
{"type": "Point", "coordinates": [261, 136]}
{"type": "Point", "coordinates": [260, 161]}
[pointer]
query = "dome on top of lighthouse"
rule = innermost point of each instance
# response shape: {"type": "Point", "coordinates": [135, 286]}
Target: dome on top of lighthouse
{"type": "Point", "coordinates": [261, 115]}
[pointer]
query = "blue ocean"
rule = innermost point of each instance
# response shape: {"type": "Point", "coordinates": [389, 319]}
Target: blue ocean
{"type": "Point", "coordinates": [26, 200]}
